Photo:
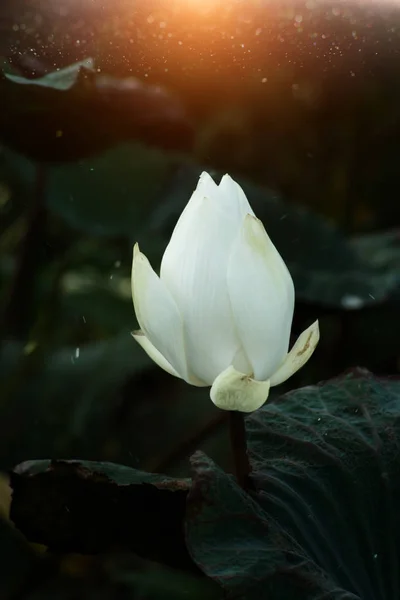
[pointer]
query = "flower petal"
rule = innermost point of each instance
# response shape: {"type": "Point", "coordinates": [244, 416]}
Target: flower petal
{"type": "Point", "coordinates": [233, 390]}
{"type": "Point", "coordinates": [228, 197]}
{"type": "Point", "coordinates": [261, 292]}
{"type": "Point", "coordinates": [194, 269]}
{"type": "Point", "coordinates": [299, 354]}
{"type": "Point", "coordinates": [157, 313]}
{"type": "Point", "coordinates": [206, 186]}
{"type": "Point", "coordinates": [153, 353]}
{"type": "Point", "coordinates": [233, 199]}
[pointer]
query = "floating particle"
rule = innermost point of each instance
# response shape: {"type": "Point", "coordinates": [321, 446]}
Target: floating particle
{"type": "Point", "coordinates": [352, 302]}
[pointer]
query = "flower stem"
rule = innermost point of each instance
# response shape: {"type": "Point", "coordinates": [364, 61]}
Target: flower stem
{"type": "Point", "coordinates": [237, 432]}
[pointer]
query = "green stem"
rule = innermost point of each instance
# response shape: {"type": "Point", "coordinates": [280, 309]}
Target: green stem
{"type": "Point", "coordinates": [237, 432]}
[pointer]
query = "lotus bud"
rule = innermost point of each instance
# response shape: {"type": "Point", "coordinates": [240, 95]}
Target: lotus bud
{"type": "Point", "coordinates": [221, 311]}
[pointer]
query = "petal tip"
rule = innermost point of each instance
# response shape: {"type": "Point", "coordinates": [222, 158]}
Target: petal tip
{"type": "Point", "coordinates": [227, 177]}
{"type": "Point", "coordinates": [205, 177]}
{"type": "Point", "coordinates": [298, 356]}
{"type": "Point", "coordinates": [137, 333]}
{"type": "Point", "coordinates": [315, 326]}
{"type": "Point", "coordinates": [311, 339]}
{"type": "Point", "coordinates": [256, 236]}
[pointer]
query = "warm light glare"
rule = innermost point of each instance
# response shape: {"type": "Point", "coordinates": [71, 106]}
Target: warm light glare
{"type": "Point", "coordinates": [200, 5]}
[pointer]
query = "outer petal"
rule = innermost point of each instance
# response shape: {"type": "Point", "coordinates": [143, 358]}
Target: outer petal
{"type": "Point", "coordinates": [233, 390]}
{"type": "Point", "coordinates": [233, 199]}
{"type": "Point", "coordinates": [154, 354]}
{"type": "Point", "coordinates": [228, 197]}
{"type": "Point", "coordinates": [194, 269]}
{"type": "Point", "coordinates": [206, 186]}
{"type": "Point", "coordinates": [299, 354]}
{"type": "Point", "coordinates": [262, 297]}
{"type": "Point", "coordinates": [157, 313]}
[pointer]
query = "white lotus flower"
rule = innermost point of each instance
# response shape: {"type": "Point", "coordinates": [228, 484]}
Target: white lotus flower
{"type": "Point", "coordinates": [221, 311]}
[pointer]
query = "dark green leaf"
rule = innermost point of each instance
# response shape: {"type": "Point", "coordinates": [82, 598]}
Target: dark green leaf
{"type": "Point", "coordinates": [326, 467]}
{"type": "Point", "coordinates": [91, 507]}
{"type": "Point", "coordinates": [97, 400]}
{"type": "Point", "coordinates": [236, 543]}
{"type": "Point", "coordinates": [68, 396]}
{"type": "Point", "coordinates": [110, 194]}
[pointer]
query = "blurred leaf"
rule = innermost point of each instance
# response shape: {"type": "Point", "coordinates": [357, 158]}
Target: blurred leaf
{"type": "Point", "coordinates": [64, 79]}
{"type": "Point", "coordinates": [381, 251]}
{"type": "Point", "coordinates": [77, 112]}
{"type": "Point", "coordinates": [122, 577]}
{"type": "Point", "coordinates": [109, 313]}
{"type": "Point", "coordinates": [372, 335]}
{"type": "Point", "coordinates": [326, 468]}
{"type": "Point", "coordinates": [159, 583]}
{"type": "Point", "coordinates": [327, 270]}
{"type": "Point", "coordinates": [99, 400]}
{"type": "Point", "coordinates": [14, 190]}
{"type": "Point", "coordinates": [55, 401]}
{"type": "Point", "coordinates": [91, 507]}
{"type": "Point", "coordinates": [18, 564]}
{"type": "Point", "coordinates": [110, 194]}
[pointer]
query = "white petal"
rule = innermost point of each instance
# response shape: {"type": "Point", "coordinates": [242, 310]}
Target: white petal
{"type": "Point", "coordinates": [157, 313]}
{"type": "Point", "coordinates": [194, 269]}
{"type": "Point", "coordinates": [228, 197]}
{"type": "Point", "coordinates": [233, 199]}
{"type": "Point", "coordinates": [262, 298]}
{"type": "Point", "coordinates": [299, 354]}
{"type": "Point", "coordinates": [233, 390]}
{"type": "Point", "coordinates": [153, 353]}
{"type": "Point", "coordinates": [207, 186]}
